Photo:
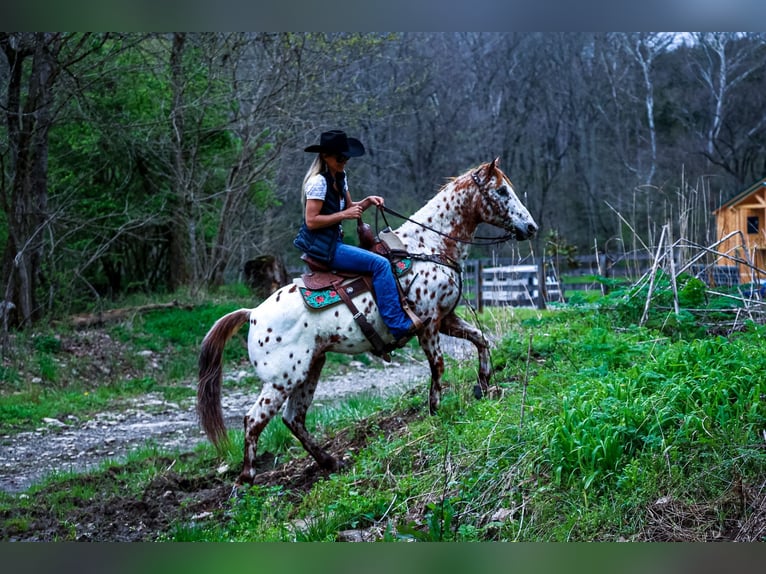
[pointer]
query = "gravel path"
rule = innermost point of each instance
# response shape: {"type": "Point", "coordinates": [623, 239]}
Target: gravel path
{"type": "Point", "coordinates": [73, 444]}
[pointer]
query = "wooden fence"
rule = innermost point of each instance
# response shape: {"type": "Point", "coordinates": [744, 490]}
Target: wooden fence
{"type": "Point", "coordinates": [534, 282]}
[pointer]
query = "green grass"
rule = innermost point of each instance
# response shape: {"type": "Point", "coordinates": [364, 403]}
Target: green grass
{"type": "Point", "coordinates": [613, 419]}
{"type": "Point", "coordinates": [599, 418]}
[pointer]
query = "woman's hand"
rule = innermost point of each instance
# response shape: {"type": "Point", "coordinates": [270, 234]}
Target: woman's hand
{"type": "Point", "coordinates": [317, 220]}
{"type": "Point", "coordinates": [353, 212]}
{"type": "Point", "coordinates": [375, 200]}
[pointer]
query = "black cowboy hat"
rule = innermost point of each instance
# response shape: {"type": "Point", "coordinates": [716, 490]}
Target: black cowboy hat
{"type": "Point", "coordinates": [336, 141]}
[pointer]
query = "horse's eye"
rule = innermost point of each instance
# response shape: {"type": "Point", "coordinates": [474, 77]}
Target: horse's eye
{"type": "Point", "coordinates": [502, 191]}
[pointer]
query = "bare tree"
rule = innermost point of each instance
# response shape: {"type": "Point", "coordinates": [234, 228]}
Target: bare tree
{"type": "Point", "coordinates": [724, 63]}
{"type": "Point", "coordinates": [645, 48]}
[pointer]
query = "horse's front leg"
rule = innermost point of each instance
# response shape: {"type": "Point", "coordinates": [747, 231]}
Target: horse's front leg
{"type": "Point", "coordinates": [456, 327]}
{"type": "Point", "coordinates": [429, 342]}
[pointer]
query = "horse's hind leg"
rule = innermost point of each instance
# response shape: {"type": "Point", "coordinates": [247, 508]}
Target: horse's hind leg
{"type": "Point", "coordinates": [294, 415]}
{"type": "Point", "coordinates": [269, 401]}
{"type": "Point", "coordinates": [456, 327]}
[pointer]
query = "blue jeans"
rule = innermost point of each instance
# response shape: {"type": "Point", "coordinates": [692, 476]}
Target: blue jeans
{"type": "Point", "coordinates": [351, 258]}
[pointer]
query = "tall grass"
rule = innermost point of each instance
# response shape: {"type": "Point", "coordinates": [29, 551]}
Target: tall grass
{"type": "Point", "coordinates": [616, 417]}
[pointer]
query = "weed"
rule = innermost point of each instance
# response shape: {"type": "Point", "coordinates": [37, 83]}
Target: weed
{"type": "Point", "coordinates": [45, 343]}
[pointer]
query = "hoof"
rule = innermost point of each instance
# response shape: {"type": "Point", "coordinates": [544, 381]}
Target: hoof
{"type": "Point", "coordinates": [244, 480]}
{"type": "Point", "coordinates": [332, 464]}
{"type": "Point", "coordinates": [236, 490]}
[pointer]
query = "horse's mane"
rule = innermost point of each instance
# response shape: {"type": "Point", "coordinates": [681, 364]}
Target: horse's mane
{"type": "Point", "coordinates": [464, 180]}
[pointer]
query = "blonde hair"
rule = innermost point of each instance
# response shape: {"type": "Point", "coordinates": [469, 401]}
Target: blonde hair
{"type": "Point", "coordinates": [317, 166]}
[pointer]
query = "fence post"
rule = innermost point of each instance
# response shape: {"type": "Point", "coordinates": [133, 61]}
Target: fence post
{"type": "Point", "coordinates": [541, 291]}
{"type": "Point", "coordinates": [479, 285]}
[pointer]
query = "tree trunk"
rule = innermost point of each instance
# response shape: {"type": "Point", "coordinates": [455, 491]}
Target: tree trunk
{"type": "Point", "coordinates": [179, 227]}
{"type": "Point", "coordinates": [26, 201]}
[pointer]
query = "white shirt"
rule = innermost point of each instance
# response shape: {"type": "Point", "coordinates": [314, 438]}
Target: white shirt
{"type": "Point", "coordinates": [316, 188]}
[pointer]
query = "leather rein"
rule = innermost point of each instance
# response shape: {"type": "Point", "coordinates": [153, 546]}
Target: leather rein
{"type": "Point", "coordinates": [483, 241]}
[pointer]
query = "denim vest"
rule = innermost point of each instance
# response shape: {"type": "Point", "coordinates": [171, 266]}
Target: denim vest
{"type": "Point", "coordinates": [320, 244]}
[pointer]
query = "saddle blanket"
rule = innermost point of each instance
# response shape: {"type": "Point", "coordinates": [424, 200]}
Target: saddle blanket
{"type": "Point", "coordinates": [329, 296]}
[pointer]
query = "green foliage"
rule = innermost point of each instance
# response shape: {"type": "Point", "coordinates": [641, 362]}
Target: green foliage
{"type": "Point", "coordinates": [628, 393]}
{"type": "Point", "coordinates": [46, 343]}
{"type": "Point", "coordinates": [628, 305]}
{"type": "Point", "coordinates": [258, 513]}
{"type": "Point", "coordinates": [114, 182]}
{"type": "Point", "coordinates": [598, 420]}
{"type": "Point", "coordinates": [560, 251]}
{"type": "Point", "coordinates": [692, 292]}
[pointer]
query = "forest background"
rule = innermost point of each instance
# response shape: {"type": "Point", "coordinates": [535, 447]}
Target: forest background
{"type": "Point", "coordinates": [159, 162]}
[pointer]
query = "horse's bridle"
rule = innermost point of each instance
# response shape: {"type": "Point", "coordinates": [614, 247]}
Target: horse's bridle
{"type": "Point", "coordinates": [382, 209]}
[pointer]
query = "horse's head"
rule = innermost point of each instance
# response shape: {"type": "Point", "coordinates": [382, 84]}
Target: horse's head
{"type": "Point", "coordinates": [499, 204]}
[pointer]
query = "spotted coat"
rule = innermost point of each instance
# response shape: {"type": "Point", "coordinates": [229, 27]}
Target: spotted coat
{"type": "Point", "coordinates": [288, 343]}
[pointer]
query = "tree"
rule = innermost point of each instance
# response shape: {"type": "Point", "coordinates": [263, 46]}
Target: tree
{"type": "Point", "coordinates": [35, 63]}
{"type": "Point", "coordinates": [731, 68]}
{"type": "Point", "coordinates": [645, 48]}
{"type": "Point", "coordinates": [160, 161]}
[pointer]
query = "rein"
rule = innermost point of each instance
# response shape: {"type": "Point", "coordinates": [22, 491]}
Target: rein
{"type": "Point", "coordinates": [442, 259]}
{"type": "Point", "coordinates": [483, 241]}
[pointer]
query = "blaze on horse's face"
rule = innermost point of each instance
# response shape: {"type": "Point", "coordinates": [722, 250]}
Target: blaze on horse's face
{"type": "Point", "coordinates": [500, 205]}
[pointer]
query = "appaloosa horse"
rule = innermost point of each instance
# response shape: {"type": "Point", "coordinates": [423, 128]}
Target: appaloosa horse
{"type": "Point", "coordinates": [287, 342]}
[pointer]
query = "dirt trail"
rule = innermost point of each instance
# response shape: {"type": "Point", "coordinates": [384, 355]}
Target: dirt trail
{"type": "Point", "coordinates": [73, 444]}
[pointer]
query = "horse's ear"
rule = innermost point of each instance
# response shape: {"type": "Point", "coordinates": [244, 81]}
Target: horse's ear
{"type": "Point", "coordinates": [492, 166]}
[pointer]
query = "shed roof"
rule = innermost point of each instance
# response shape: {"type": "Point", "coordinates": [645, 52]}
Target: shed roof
{"type": "Point", "coordinates": [743, 195]}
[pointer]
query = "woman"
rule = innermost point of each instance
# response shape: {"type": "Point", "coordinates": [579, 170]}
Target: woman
{"type": "Point", "coordinates": [326, 204]}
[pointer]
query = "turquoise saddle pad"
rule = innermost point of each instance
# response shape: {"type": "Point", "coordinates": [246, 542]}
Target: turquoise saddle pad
{"type": "Point", "coordinates": [322, 298]}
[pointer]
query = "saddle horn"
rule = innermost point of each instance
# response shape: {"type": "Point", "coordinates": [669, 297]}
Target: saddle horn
{"type": "Point", "coordinates": [366, 236]}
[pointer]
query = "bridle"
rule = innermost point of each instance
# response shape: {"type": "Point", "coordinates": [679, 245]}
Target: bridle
{"type": "Point", "coordinates": [483, 241]}
{"type": "Point", "coordinates": [441, 258]}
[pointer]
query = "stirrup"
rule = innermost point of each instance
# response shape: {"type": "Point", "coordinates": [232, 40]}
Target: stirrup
{"type": "Point", "coordinates": [412, 332]}
{"type": "Point", "coordinates": [417, 324]}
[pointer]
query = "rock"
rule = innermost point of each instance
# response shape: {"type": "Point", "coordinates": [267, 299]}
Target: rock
{"type": "Point", "coordinates": [502, 515]}
{"type": "Point", "coordinates": [53, 422]}
{"type": "Point", "coordinates": [356, 535]}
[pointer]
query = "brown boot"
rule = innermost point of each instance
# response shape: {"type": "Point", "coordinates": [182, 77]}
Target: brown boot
{"type": "Point", "coordinates": [416, 329]}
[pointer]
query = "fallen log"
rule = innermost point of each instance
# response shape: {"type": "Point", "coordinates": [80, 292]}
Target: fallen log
{"type": "Point", "coordinates": [102, 317]}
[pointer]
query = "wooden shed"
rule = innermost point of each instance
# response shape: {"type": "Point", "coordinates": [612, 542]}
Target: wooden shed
{"type": "Point", "coordinates": [745, 212]}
